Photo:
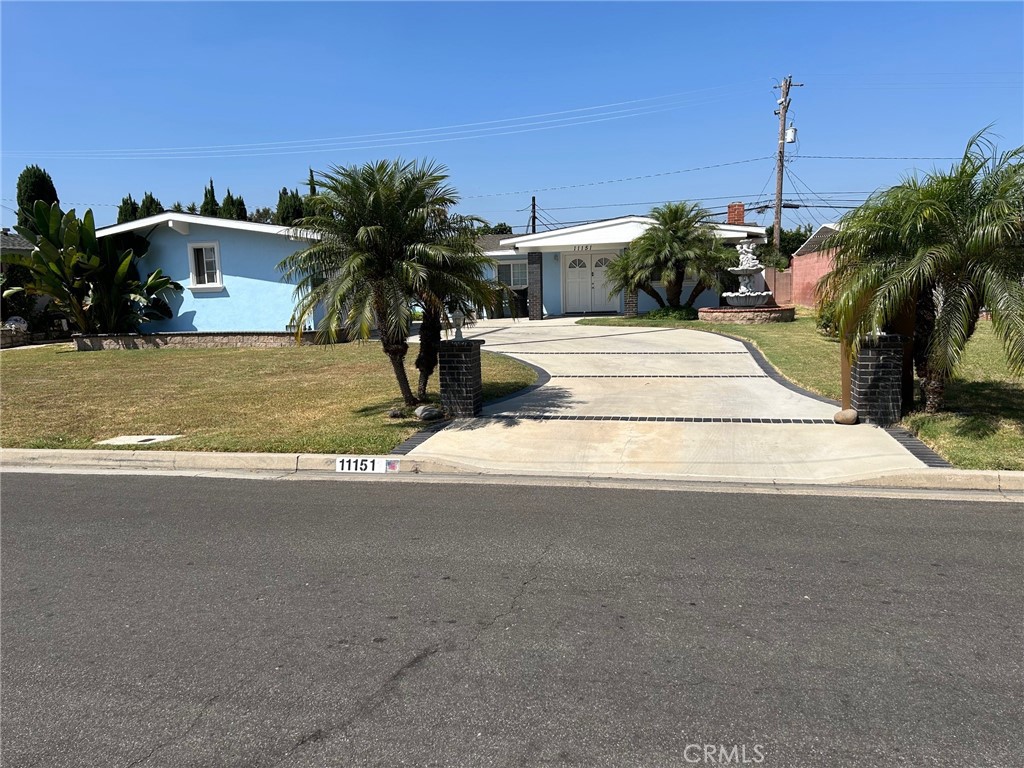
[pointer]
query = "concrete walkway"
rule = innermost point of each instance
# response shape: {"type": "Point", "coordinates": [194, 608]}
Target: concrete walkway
{"type": "Point", "coordinates": [658, 403]}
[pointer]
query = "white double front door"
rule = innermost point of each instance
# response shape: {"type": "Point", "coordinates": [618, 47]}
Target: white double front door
{"type": "Point", "coordinates": [586, 286]}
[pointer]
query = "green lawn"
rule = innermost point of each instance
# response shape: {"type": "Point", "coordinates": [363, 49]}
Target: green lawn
{"type": "Point", "coordinates": [313, 399]}
{"type": "Point", "coordinates": [981, 427]}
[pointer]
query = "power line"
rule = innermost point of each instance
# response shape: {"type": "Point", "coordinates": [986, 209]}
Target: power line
{"type": "Point", "coordinates": [429, 136]}
{"type": "Point", "coordinates": [91, 205]}
{"type": "Point", "coordinates": [803, 202]}
{"type": "Point", "coordinates": [617, 181]}
{"type": "Point", "coordinates": [383, 134]}
{"type": "Point", "coordinates": [804, 183]}
{"type": "Point", "coordinates": [870, 157]}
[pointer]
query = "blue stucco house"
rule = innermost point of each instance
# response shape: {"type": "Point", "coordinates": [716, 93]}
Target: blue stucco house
{"type": "Point", "coordinates": [228, 270]}
{"type": "Point", "coordinates": [563, 271]}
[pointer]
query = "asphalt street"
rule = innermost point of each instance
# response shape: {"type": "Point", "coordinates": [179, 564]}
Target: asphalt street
{"type": "Point", "coordinates": [162, 621]}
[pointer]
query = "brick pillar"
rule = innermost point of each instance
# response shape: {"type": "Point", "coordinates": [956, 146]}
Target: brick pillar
{"type": "Point", "coordinates": [535, 285]}
{"type": "Point", "coordinates": [877, 380]}
{"type": "Point", "coordinates": [630, 308]}
{"type": "Point", "coordinates": [461, 385]}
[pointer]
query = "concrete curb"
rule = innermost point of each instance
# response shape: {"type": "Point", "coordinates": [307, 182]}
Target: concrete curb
{"type": "Point", "coordinates": [1005, 482]}
{"type": "Point", "coordinates": [951, 479]}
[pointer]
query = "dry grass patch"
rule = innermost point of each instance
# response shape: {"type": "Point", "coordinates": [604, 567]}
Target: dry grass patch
{"type": "Point", "coordinates": [332, 399]}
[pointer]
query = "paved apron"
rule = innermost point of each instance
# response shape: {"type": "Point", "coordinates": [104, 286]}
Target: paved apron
{"type": "Point", "coordinates": [653, 402]}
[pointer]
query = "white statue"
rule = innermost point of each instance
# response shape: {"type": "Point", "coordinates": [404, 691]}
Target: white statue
{"type": "Point", "coordinates": [747, 257]}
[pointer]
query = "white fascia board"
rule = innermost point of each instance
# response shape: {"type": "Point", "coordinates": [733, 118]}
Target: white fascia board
{"type": "Point", "coordinates": [179, 221]}
{"type": "Point", "coordinates": [606, 226]}
{"type": "Point", "coordinates": [504, 253]}
{"type": "Point", "coordinates": [614, 233]}
{"type": "Point", "coordinates": [733, 231]}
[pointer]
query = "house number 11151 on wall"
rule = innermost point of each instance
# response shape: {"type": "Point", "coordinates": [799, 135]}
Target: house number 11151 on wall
{"type": "Point", "coordinates": [582, 247]}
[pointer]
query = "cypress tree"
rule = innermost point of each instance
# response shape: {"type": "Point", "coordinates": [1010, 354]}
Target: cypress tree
{"type": "Point", "coordinates": [210, 206]}
{"type": "Point", "coordinates": [233, 207]}
{"type": "Point", "coordinates": [241, 214]}
{"type": "Point", "coordinates": [128, 210]}
{"type": "Point", "coordinates": [149, 206]}
{"type": "Point", "coordinates": [289, 207]}
{"type": "Point", "coordinates": [34, 184]}
{"type": "Point", "coordinates": [227, 206]}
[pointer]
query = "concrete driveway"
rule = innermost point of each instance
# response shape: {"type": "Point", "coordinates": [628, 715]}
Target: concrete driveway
{"type": "Point", "coordinates": [652, 402]}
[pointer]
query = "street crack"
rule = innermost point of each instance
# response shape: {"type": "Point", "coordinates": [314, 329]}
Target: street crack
{"type": "Point", "coordinates": [533, 573]}
{"type": "Point", "coordinates": [368, 704]}
{"type": "Point", "coordinates": [178, 737]}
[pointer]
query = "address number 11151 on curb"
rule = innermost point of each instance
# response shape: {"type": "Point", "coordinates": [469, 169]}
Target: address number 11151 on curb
{"type": "Point", "coordinates": [366, 465]}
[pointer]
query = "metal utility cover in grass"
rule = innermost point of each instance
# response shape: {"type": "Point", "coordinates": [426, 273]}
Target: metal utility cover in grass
{"type": "Point", "coordinates": [137, 439]}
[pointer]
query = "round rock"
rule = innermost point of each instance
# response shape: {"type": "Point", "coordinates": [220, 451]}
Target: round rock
{"type": "Point", "coordinates": [428, 413]}
{"type": "Point", "coordinates": [848, 416]}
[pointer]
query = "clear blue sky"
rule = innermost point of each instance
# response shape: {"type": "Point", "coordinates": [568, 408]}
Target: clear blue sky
{"type": "Point", "coordinates": [84, 83]}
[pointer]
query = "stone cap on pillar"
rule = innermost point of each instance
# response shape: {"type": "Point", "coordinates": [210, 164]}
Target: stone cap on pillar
{"type": "Point", "coordinates": [464, 343]}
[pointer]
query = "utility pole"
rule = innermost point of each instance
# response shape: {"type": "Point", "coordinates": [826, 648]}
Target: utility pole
{"type": "Point", "coordinates": [781, 112]}
{"type": "Point", "coordinates": [533, 215]}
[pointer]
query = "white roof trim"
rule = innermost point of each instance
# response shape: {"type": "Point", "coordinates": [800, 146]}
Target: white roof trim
{"type": "Point", "coordinates": [592, 226]}
{"type": "Point", "coordinates": [618, 232]}
{"type": "Point", "coordinates": [176, 220]}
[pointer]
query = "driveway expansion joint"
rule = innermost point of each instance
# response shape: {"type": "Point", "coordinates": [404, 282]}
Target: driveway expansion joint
{"type": "Point", "coordinates": [676, 419]}
{"type": "Point", "coordinates": [659, 376]}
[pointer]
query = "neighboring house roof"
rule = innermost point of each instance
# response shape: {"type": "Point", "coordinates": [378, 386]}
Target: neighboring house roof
{"type": "Point", "coordinates": [11, 241]}
{"type": "Point", "coordinates": [490, 242]}
{"type": "Point", "coordinates": [180, 222]}
{"type": "Point", "coordinates": [615, 232]}
{"type": "Point", "coordinates": [816, 241]}
{"type": "Point", "coordinates": [491, 246]}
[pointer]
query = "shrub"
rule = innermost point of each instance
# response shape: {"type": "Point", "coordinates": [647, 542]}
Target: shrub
{"type": "Point", "coordinates": [825, 319]}
{"type": "Point", "coordinates": [672, 313]}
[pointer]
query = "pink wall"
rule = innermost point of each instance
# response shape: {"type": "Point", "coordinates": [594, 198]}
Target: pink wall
{"type": "Point", "coordinates": [781, 285]}
{"type": "Point", "coordinates": [807, 270]}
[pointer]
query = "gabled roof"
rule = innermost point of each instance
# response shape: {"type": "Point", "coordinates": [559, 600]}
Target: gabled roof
{"type": "Point", "coordinates": [613, 233]}
{"type": "Point", "coordinates": [815, 242]}
{"type": "Point", "coordinates": [180, 222]}
{"type": "Point", "coordinates": [12, 241]}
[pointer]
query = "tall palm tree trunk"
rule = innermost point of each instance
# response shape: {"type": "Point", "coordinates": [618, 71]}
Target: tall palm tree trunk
{"type": "Point", "coordinates": [698, 289]}
{"type": "Point", "coordinates": [673, 290]}
{"type": "Point", "coordinates": [924, 325]}
{"type": "Point", "coordinates": [396, 348]}
{"type": "Point", "coordinates": [396, 354]}
{"type": "Point", "coordinates": [430, 341]}
{"type": "Point", "coordinates": [934, 392]}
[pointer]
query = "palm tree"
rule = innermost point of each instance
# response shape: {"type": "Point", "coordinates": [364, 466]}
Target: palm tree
{"type": "Point", "coordinates": [378, 241]}
{"type": "Point", "coordinates": [459, 284]}
{"type": "Point", "coordinates": [943, 247]}
{"type": "Point", "coordinates": [680, 237]}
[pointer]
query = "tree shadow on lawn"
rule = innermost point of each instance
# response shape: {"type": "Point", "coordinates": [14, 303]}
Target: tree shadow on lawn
{"type": "Point", "coordinates": [984, 406]}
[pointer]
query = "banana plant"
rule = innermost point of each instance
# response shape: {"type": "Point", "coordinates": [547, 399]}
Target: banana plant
{"type": "Point", "coordinates": [94, 282]}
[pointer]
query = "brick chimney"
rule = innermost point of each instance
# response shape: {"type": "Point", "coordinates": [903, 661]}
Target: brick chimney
{"type": "Point", "coordinates": [737, 214]}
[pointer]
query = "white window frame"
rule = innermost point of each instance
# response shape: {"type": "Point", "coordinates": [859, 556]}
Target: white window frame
{"type": "Point", "coordinates": [512, 273]}
{"type": "Point", "coordinates": [218, 284]}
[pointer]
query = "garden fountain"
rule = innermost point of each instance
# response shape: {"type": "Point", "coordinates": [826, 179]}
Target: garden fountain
{"type": "Point", "coordinates": [747, 305]}
{"type": "Point", "coordinates": [748, 271]}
